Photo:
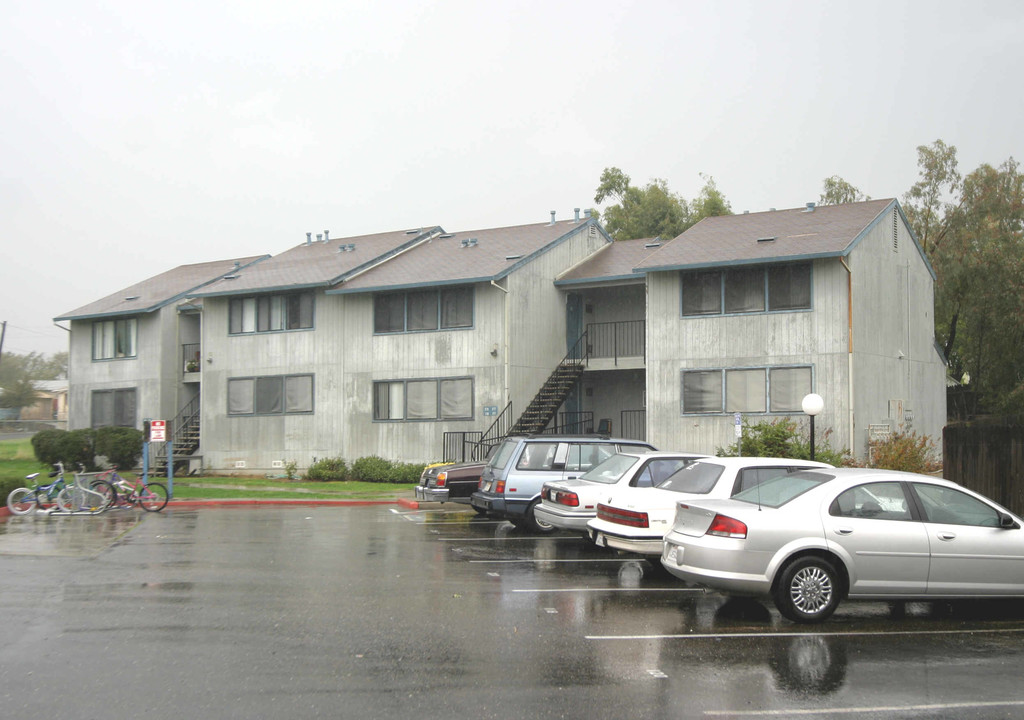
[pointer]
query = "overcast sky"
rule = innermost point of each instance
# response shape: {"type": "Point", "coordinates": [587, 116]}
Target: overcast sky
{"type": "Point", "coordinates": [139, 136]}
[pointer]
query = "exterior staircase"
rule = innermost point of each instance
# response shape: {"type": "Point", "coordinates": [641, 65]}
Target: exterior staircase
{"type": "Point", "coordinates": [553, 393]}
{"type": "Point", "coordinates": [184, 432]}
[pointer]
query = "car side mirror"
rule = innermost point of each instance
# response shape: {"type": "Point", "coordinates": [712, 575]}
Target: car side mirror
{"type": "Point", "coordinates": [1006, 521]}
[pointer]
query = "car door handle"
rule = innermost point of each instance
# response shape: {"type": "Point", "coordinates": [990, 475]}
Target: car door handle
{"type": "Point", "coordinates": [844, 531]}
{"type": "Point", "coordinates": [947, 535]}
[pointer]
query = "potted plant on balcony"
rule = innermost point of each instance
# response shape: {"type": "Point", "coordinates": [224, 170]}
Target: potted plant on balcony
{"type": "Point", "coordinates": [192, 366]}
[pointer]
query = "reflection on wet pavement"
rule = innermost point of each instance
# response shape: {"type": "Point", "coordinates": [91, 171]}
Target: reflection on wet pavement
{"type": "Point", "coordinates": [64, 535]}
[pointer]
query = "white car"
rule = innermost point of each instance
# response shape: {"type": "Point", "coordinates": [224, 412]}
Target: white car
{"type": "Point", "coordinates": [570, 504]}
{"type": "Point", "coordinates": [637, 520]}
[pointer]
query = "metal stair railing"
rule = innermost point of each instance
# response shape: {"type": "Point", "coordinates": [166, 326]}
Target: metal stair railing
{"type": "Point", "coordinates": [554, 391]}
{"type": "Point", "coordinates": [184, 429]}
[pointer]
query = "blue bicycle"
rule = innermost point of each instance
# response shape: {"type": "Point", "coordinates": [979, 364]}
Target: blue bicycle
{"type": "Point", "coordinates": [42, 497]}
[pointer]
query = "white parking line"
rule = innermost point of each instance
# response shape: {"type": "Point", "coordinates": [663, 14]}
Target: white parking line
{"type": "Point", "coordinates": [861, 710]}
{"type": "Point", "coordinates": [610, 589]}
{"type": "Point", "coordinates": [553, 560]}
{"type": "Point", "coordinates": [500, 539]}
{"type": "Point", "coordinates": [718, 636]}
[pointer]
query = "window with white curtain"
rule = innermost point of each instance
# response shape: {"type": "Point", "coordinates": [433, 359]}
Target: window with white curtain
{"type": "Point", "coordinates": [114, 339]}
{"type": "Point", "coordinates": [423, 399]}
{"type": "Point", "coordinates": [270, 313]}
{"type": "Point", "coordinates": [745, 391]}
{"type": "Point", "coordinates": [787, 387]}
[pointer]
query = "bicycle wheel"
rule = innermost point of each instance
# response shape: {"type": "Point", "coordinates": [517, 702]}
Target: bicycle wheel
{"type": "Point", "coordinates": [106, 490]}
{"type": "Point", "coordinates": [153, 497]}
{"type": "Point", "coordinates": [64, 499]}
{"type": "Point", "coordinates": [21, 501]}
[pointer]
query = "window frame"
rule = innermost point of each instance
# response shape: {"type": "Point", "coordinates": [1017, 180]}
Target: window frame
{"type": "Point", "coordinates": [723, 374]}
{"type": "Point", "coordinates": [257, 404]}
{"type": "Point", "coordinates": [114, 332]}
{"type": "Point", "coordinates": [272, 313]}
{"type": "Point", "coordinates": [697, 293]}
{"type": "Point", "coordinates": [114, 394]}
{"type": "Point", "coordinates": [395, 395]}
{"type": "Point", "coordinates": [449, 312]}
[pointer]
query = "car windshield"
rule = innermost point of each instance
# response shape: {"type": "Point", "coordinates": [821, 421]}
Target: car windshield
{"type": "Point", "coordinates": [782, 489]}
{"type": "Point", "coordinates": [697, 478]}
{"type": "Point", "coordinates": [610, 471]}
{"type": "Point", "coordinates": [500, 458]}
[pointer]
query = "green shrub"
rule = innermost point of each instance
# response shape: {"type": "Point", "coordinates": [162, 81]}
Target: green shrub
{"type": "Point", "coordinates": [406, 472]}
{"type": "Point", "coordinates": [328, 469]}
{"type": "Point", "coordinates": [73, 448]}
{"type": "Point", "coordinates": [122, 446]}
{"type": "Point", "coordinates": [377, 469]}
{"type": "Point", "coordinates": [372, 469]}
{"type": "Point", "coordinates": [46, 445]}
{"type": "Point", "coordinates": [905, 451]}
{"type": "Point", "coordinates": [782, 438]}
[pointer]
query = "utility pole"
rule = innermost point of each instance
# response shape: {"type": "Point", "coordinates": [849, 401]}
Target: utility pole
{"type": "Point", "coordinates": [3, 331]}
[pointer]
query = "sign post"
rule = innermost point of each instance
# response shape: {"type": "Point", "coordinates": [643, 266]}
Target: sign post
{"type": "Point", "coordinates": [156, 431]}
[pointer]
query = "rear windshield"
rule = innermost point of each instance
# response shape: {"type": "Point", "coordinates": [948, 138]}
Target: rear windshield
{"type": "Point", "coordinates": [782, 489]}
{"type": "Point", "coordinates": [500, 458]}
{"type": "Point", "coordinates": [611, 470]}
{"type": "Point", "coordinates": [697, 478]}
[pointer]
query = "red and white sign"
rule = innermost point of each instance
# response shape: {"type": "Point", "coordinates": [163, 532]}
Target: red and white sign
{"type": "Point", "coordinates": [158, 431]}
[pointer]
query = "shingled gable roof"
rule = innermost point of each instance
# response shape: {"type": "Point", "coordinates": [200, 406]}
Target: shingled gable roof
{"type": "Point", "coordinates": [613, 263]}
{"type": "Point", "coordinates": [319, 263]}
{"type": "Point", "coordinates": [465, 257]}
{"type": "Point", "coordinates": [774, 236]}
{"type": "Point", "coordinates": [156, 292]}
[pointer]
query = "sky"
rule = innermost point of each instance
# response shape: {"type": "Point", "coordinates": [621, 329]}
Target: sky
{"type": "Point", "coordinates": [139, 136]}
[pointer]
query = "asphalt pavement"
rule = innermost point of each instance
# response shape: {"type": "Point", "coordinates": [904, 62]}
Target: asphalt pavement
{"type": "Point", "coordinates": [391, 611]}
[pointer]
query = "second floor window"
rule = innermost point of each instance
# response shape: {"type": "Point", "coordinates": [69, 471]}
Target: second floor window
{"type": "Point", "coordinates": [776, 288]}
{"type": "Point", "coordinates": [113, 339]}
{"type": "Point", "coordinates": [270, 313]}
{"type": "Point", "coordinates": [423, 310]}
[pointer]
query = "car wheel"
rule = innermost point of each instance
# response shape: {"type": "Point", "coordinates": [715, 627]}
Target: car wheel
{"type": "Point", "coordinates": [533, 523]}
{"type": "Point", "coordinates": [808, 590]}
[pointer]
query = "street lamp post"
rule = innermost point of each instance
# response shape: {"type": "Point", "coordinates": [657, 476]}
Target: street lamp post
{"type": "Point", "coordinates": [812, 405]}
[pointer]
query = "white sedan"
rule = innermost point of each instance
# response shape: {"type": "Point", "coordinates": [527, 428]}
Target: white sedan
{"type": "Point", "coordinates": [811, 539]}
{"type": "Point", "coordinates": [570, 504]}
{"type": "Point", "coordinates": [637, 521]}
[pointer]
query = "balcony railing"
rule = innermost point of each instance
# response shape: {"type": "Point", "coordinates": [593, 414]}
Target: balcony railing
{"type": "Point", "coordinates": [617, 339]}
{"type": "Point", "coordinates": [190, 358]}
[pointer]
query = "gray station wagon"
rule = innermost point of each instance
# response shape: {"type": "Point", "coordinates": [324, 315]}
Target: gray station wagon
{"type": "Point", "coordinates": [511, 481]}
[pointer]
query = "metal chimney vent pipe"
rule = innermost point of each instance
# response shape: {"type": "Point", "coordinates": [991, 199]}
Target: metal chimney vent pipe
{"type": "Point", "coordinates": [309, 238]}
{"type": "Point", "coordinates": [552, 217]}
{"type": "Point", "coordinates": [577, 210]}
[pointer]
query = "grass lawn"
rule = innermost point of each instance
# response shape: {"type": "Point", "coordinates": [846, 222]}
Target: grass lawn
{"type": "Point", "coordinates": [17, 460]}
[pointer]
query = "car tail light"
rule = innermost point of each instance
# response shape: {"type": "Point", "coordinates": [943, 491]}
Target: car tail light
{"type": "Point", "coordinates": [500, 487]}
{"type": "Point", "coordinates": [622, 517]}
{"type": "Point", "coordinates": [727, 527]}
{"type": "Point", "coordinates": [441, 479]}
{"type": "Point", "coordinates": [563, 497]}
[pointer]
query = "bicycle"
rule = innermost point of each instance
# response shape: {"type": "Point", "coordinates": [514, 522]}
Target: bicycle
{"type": "Point", "coordinates": [94, 499]}
{"type": "Point", "coordinates": [41, 497]}
{"type": "Point", "coordinates": [151, 497]}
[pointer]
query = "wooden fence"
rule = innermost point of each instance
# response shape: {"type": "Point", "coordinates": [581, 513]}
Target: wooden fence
{"type": "Point", "coordinates": [987, 456]}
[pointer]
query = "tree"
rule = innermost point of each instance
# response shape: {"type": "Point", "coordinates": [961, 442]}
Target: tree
{"type": "Point", "coordinates": [653, 210]}
{"type": "Point", "coordinates": [837, 191]}
{"type": "Point", "coordinates": [18, 394]}
{"type": "Point", "coordinates": [710, 203]}
{"type": "Point", "coordinates": [972, 229]}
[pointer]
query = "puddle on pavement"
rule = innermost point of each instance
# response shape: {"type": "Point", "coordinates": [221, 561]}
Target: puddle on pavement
{"type": "Point", "coordinates": [63, 535]}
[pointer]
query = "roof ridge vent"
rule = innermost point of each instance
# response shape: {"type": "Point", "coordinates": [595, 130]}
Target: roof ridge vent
{"type": "Point", "coordinates": [446, 236]}
{"type": "Point", "coordinates": [468, 242]}
{"type": "Point", "coordinates": [809, 208]}
{"type": "Point", "coordinates": [512, 257]}
{"type": "Point", "coordinates": [346, 247]}
{"type": "Point", "coordinates": [767, 239]}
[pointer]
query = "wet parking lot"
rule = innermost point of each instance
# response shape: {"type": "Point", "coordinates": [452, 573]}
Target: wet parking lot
{"type": "Point", "coordinates": [385, 612]}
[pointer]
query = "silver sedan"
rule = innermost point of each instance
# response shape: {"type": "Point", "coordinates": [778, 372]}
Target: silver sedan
{"type": "Point", "coordinates": [812, 538]}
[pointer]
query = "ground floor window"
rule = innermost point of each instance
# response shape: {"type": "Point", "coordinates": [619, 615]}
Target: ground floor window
{"type": "Point", "coordinates": [423, 399]}
{"type": "Point", "coordinates": [745, 390]}
{"type": "Point", "coordinates": [113, 408]}
{"type": "Point", "coordinates": [270, 395]}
